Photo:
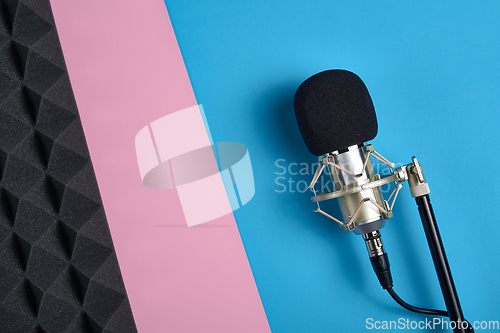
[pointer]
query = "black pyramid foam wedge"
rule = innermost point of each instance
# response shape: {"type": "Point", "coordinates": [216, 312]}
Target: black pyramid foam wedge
{"type": "Point", "coordinates": [58, 267]}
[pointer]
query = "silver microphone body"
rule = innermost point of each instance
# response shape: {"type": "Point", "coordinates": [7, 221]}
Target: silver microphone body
{"type": "Point", "coordinates": [369, 217]}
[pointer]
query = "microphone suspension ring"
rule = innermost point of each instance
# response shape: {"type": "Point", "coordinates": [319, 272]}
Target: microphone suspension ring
{"type": "Point", "coordinates": [353, 188]}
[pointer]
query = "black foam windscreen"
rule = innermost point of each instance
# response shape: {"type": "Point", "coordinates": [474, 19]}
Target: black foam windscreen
{"type": "Point", "coordinates": [58, 267]}
{"type": "Point", "coordinates": [334, 111]}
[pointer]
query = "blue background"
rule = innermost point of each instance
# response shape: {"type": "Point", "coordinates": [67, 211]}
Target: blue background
{"type": "Point", "coordinates": [432, 71]}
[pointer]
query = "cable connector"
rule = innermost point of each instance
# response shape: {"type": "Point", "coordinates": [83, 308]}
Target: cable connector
{"type": "Point", "coordinates": [378, 258]}
{"type": "Point", "coordinates": [381, 267]}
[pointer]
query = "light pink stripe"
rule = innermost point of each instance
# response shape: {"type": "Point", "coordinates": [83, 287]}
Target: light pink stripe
{"type": "Point", "coordinates": [145, 150]}
{"type": "Point", "coordinates": [127, 71]}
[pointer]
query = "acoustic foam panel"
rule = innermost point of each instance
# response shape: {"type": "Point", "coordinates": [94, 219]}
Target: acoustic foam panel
{"type": "Point", "coordinates": [58, 268]}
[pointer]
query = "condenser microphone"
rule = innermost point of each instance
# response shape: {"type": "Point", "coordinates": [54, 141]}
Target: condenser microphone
{"type": "Point", "coordinates": [335, 115]}
{"type": "Point", "coordinates": [336, 118]}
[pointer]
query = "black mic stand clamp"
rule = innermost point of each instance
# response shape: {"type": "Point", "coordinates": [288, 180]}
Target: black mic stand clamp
{"type": "Point", "coordinates": [419, 190]}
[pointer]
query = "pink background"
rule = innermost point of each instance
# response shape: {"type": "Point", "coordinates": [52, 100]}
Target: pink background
{"type": "Point", "coordinates": [127, 71]}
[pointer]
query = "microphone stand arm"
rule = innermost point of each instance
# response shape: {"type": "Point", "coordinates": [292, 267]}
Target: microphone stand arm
{"type": "Point", "coordinates": [420, 191]}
